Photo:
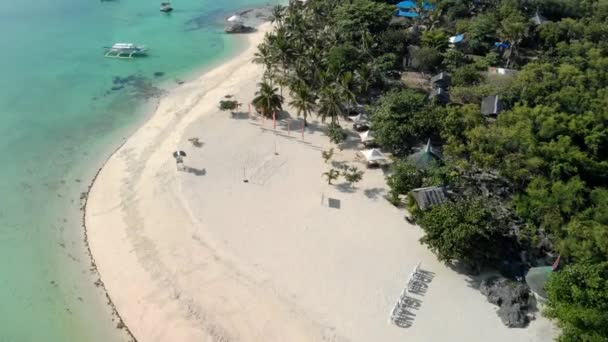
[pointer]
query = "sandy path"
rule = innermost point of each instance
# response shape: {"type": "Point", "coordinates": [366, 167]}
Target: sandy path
{"type": "Point", "coordinates": [203, 256]}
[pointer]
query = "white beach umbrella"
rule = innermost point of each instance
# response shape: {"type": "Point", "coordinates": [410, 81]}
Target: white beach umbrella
{"type": "Point", "coordinates": [179, 153]}
{"type": "Point", "coordinates": [359, 118]}
{"type": "Point", "coordinates": [366, 136]}
{"type": "Point", "coordinates": [373, 155]}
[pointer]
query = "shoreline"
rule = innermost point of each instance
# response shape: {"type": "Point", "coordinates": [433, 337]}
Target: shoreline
{"type": "Point", "coordinates": [99, 282]}
{"type": "Point", "coordinates": [169, 87]}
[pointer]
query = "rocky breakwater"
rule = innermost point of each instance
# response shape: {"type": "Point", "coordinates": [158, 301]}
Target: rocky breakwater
{"type": "Point", "coordinates": [246, 21]}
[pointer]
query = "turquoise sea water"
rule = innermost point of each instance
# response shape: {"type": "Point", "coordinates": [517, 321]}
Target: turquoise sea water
{"type": "Point", "coordinates": [59, 118]}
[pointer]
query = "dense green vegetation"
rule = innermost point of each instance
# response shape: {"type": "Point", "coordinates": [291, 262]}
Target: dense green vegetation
{"type": "Point", "coordinates": [533, 179]}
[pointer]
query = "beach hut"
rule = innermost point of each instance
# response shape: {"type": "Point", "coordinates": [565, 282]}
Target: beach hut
{"type": "Point", "coordinates": [439, 95]}
{"type": "Point", "coordinates": [429, 196]}
{"type": "Point", "coordinates": [373, 156]}
{"type": "Point", "coordinates": [491, 105]}
{"type": "Point", "coordinates": [441, 80]}
{"type": "Point", "coordinates": [426, 157]}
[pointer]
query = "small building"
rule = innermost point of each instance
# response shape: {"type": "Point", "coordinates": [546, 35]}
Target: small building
{"type": "Point", "coordinates": [441, 80]}
{"type": "Point", "coordinates": [429, 196]}
{"type": "Point", "coordinates": [538, 19]}
{"type": "Point", "coordinates": [491, 105]}
{"type": "Point", "coordinates": [439, 95]}
{"type": "Point", "coordinates": [426, 158]}
{"type": "Point", "coordinates": [501, 71]}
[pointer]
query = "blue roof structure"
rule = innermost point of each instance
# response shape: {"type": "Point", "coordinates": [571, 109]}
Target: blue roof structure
{"type": "Point", "coordinates": [406, 4]}
{"type": "Point", "coordinates": [407, 14]}
{"type": "Point", "coordinates": [457, 39]}
{"type": "Point", "coordinates": [502, 45]}
{"type": "Point", "coordinates": [427, 7]}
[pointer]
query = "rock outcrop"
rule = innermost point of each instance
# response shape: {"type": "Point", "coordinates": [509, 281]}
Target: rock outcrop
{"type": "Point", "coordinates": [514, 299]}
{"type": "Point", "coordinates": [238, 27]}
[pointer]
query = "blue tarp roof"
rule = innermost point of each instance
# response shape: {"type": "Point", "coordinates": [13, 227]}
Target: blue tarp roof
{"type": "Point", "coordinates": [411, 4]}
{"type": "Point", "coordinates": [406, 4]}
{"type": "Point", "coordinates": [427, 7]}
{"type": "Point", "coordinates": [457, 39]}
{"type": "Point", "coordinates": [503, 45]}
{"type": "Point", "coordinates": [407, 14]}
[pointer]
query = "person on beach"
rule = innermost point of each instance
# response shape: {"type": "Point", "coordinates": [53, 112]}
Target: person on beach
{"type": "Point", "coordinates": [179, 159]}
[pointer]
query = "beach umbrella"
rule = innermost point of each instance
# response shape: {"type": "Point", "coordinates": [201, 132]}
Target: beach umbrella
{"type": "Point", "coordinates": [373, 155]}
{"type": "Point", "coordinates": [179, 153]}
{"type": "Point", "coordinates": [359, 118]}
{"type": "Point", "coordinates": [366, 136]}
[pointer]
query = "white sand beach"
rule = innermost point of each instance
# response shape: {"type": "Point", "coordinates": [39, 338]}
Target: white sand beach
{"type": "Point", "coordinates": [200, 255]}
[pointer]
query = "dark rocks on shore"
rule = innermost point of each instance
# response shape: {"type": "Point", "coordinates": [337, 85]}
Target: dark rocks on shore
{"type": "Point", "coordinates": [246, 21]}
{"type": "Point", "coordinates": [238, 27]}
{"type": "Point", "coordinates": [516, 303]}
{"type": "Point", "coordinates": [139, 86]}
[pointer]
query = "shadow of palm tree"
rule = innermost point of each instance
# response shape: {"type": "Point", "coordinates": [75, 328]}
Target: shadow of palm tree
{"type": "Point", "coordinates": [195, 171]}
{"type": "Point", "coordinates": [345, 187]}
{"type": "Point", "coordinates": [374, 193]}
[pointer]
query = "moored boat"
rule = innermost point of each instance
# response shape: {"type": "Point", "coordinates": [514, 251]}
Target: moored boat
{"type": "Point", "coordinates": [125, 50]}
{"type": "Point", "coordinates": [166, 7]}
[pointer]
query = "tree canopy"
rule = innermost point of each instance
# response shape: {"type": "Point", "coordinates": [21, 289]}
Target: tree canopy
{"type": "Point", "coordinates": [533, 177]}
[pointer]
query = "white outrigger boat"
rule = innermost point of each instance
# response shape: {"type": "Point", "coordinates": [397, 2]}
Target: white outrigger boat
{"type": "Point", "coordinates": [125, 50]}
{"type": "Point", "coordinates": [166, 7]}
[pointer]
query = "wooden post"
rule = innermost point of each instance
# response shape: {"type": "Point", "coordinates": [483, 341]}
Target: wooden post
{"type": "Point", "coordinates": [303, 130]}
{"type": "Point", "coordinates": [274, 120]}
{"type": "Point", "coordinates": [288, 127]}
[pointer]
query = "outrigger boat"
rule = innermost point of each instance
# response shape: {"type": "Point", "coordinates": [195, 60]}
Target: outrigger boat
{"type": "Point", "coordinates": [125, 50]}
{"type": "Point", "coordinates": [166, 7]}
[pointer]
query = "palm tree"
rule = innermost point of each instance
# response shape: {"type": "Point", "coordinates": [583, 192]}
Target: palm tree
{"type": "Point", "coordinates": [278, 14]}
{"type": "Point", "coordinates": [303, 100]}
{"type": "Point", "coordinates": [513, 29]}
{"type": "Point", "coordinates": [331, 175]}
{"type": "Point", "coordinates": [264, 56]}
{"type": "Point", "coordinates": [346, 88]}
{"type": "Point", "coordinates": [364, 77]}
{"type": "Point", "coordinates": [267, 100]}
{"type": "Point", "coordinates": [330, 103]}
